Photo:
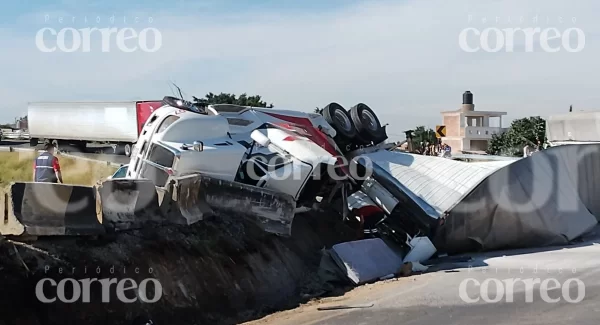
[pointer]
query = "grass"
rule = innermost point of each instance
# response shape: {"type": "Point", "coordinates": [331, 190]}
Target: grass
{"type": "Point", "coordinates": [18, 167]}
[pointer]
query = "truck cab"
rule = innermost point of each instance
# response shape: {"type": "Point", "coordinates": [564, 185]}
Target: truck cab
{"type": "Point", "coordinates": [176, 142]}
{"type": "Point", "coordinates": [171, 143]}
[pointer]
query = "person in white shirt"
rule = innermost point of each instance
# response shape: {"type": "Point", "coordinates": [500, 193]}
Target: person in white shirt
{"type": "Point", "coordinates": [528, 151]}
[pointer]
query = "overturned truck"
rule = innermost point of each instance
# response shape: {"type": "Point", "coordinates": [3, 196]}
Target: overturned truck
{"type": "Point", "coordinates": [265, 165]}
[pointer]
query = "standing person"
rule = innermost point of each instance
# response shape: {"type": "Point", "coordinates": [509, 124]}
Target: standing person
{"type": "Point", "coordinates": [447, 151]}
{"type": "Point", "coordinates": [46, 167]}
{"type": "Point", "coordinates": [526, 151]}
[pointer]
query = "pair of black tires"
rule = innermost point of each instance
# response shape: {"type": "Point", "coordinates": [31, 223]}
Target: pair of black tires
{"type": "Point", "coordinates": [355, 128]}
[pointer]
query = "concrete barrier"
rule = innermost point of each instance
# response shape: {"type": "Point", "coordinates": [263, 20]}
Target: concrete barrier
{"type": "Point", "coordinates": [47, 209]}
{"type": "Point", "coordinates": [129, 203]}
{"type": "Point", "coordinates": [183, 201]}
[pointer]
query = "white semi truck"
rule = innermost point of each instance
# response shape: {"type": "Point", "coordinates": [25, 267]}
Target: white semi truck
{"type": "Point", "coordinates": [75, 124]}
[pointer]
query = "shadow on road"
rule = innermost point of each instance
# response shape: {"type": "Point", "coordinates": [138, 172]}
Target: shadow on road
{"type": "Point", "coordinates": [477, 259]}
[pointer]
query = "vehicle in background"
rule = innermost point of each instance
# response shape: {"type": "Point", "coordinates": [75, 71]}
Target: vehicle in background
{"type": "Point", "coordinates": [75, 124]}
{"type": "Point", "coordinates": [120, 173]}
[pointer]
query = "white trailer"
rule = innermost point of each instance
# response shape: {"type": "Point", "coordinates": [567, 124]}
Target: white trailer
{"type": "Point", "coordinates": [79, 123]}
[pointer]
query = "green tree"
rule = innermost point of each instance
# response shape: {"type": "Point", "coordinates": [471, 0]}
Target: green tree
{"type": "Point", "coordinates": [525, 131]}
{"type": "Point", "coordinates": [422, 134]}
{"type": "Point", "coordinates": [225, 98]}
{"type": "Point", "coordinates": [499, 145]}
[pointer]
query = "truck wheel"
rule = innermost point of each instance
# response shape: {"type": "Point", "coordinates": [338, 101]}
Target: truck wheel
{"type": "Point", "coordinates": [82, 146]}
{"type": "Point", "coordinates": [367, 123]}
{"type": "Point", "coordinates": [338, 118]}
{"type": "Point", "coordinates": [33, 142]}
{"type": "Point", "coordinates": [128, 149]}
{"type": "Point", "coordinates": [55, 145]}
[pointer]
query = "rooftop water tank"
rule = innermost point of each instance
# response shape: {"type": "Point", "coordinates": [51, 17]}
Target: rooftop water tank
{"type": "Point", "coordinates": [467, 97]}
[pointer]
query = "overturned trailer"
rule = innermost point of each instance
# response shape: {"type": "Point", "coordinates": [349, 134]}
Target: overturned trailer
{"type": "Point", "coordinates": [549, 198]}
{"type": "Point", "coordinates": [546, 199]}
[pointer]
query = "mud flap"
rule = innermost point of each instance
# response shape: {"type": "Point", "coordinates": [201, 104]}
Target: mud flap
{"type": "Point", "coordinates": [47, 209]}
{"type": "Point", "coordinates": [129, 203]}
{"type": "Point", "coordinates": [271, 211]}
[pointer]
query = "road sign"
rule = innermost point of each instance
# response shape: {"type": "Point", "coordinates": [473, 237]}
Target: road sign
{"type": "Point", "coordinates": [440, 131]}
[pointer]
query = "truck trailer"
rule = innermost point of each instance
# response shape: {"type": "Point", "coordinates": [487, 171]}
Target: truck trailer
{"type": "Point", "coordinates": [75, 124]}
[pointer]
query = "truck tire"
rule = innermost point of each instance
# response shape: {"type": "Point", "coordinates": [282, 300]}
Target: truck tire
{"type": "Point", "coordinates": [122, 149]}
{"type": "Point", "coordinates": [367, 123]}
{"type": "Point", "coordinates": [339, 119]}
{"type": "Point", "coordinates": [127, 149]}
{"type": "Point", "coordinates": [33, 142]}
{"type": "Point", "coordinates": [82, 146]}
{"type": "Point", "coordinates": [359, 139]}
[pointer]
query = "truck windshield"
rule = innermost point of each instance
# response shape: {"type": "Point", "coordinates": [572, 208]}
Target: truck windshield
{"type": "Point", "coordinates": [166, 123]}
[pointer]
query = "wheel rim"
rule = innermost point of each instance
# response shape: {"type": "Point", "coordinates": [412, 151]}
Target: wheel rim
{"type": "Point", "coordinates": [342, 120]}
{"type": "Point", "coordinates": [127, 150]}
{"type": "Point", "coordinates": [370, 119]}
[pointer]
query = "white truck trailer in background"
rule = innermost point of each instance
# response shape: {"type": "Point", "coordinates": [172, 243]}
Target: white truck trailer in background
{"type": "Point", "coordinates": [75, 124]}
{"type": "Point", "coordinates": [573, 128]}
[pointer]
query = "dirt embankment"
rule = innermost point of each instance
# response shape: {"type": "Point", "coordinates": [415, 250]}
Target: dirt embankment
{"type": "Point", "coordinates": [220, 271]}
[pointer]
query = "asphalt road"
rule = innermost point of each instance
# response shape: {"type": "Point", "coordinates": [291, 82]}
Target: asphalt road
{"type": "Point", "coordinates": [103, 153]}
{"type": "Point", "coordinates": [435, 298]}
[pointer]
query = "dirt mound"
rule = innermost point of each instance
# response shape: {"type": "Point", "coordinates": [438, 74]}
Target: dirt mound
{"type": "Point", "coordinates": [220, 271]}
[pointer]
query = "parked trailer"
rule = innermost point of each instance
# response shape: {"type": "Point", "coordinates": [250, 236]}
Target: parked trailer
{"type": "Point", "coordinates": [79, 123]}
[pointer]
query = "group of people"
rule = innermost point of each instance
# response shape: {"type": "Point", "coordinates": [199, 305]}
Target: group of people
{"type": "Point", "coordinates": [429, 149]}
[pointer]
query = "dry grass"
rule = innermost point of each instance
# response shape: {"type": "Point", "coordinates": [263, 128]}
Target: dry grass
{"type": "Point", "coordinates": [18, 167]}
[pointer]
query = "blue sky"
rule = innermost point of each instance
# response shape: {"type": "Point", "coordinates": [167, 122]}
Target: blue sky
{"type": "Point", "coordinates": [14, 9]}
{"type": "Point", "coordinates": [402, 58]}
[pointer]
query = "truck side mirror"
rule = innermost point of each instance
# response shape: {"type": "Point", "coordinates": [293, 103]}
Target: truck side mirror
{"type": "Point", "coordinates": [198, 146]}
